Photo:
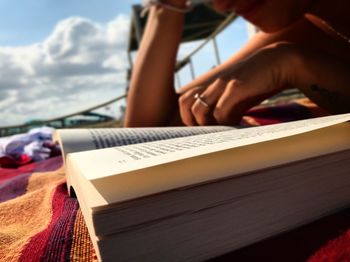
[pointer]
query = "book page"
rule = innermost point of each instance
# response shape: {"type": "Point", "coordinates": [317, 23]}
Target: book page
{"type": "Point", "coordinates": [76, 140]}
{"type": "Point", "coordinates": [125, 159]}
{"type": "Point", "coordinates": [124, 173]}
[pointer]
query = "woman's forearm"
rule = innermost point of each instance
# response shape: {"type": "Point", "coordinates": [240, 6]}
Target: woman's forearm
{"type": "Point", "coordinates": [325, 79]}
{"type": "Point", "coordinates": [152, 99]}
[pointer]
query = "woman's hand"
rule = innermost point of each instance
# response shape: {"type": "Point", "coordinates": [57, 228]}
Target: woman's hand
{"type": "Point", "coordinates": [240, 87]}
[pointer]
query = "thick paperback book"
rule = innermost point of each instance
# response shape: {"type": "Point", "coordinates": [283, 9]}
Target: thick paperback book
{"type": "Point", "coordinates": [193, 193]}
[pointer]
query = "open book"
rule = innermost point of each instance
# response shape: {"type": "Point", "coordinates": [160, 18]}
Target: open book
{"type": "Point", "coordinates": [195, 193]}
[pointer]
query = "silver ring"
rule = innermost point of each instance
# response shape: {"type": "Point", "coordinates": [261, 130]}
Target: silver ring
{"type": "Point", "coordinates": [200, 99]}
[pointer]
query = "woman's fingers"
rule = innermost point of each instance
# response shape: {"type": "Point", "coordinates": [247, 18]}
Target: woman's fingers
{"type": "Point", "coordinates": [231, 104]}
{"type": "Point", "coordinates": [204, 104]}
{"type": "Point", "coordinates": [237, 99]}
{"type": "Point", "coordinates": [186, 101]}
{"type": "Point", "coordinates": [220, 103]}
{"type": "Point", "coordinates": [225, 101]}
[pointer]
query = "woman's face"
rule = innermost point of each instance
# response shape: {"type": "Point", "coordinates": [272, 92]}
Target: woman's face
{"type": "Point", "coordinates": [268, 15]}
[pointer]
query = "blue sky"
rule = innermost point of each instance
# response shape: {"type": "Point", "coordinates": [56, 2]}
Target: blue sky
{"type": "Point", "coordinates": [31, 21]}
{"type": "Point", "coordinates": [57, 57]}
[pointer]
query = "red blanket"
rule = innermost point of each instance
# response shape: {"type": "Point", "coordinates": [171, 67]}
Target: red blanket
{"type": "Point", "coordinates": [39, 222]}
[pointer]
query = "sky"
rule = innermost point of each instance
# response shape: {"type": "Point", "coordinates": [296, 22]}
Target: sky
{"type": "Point", "coordinates": [59, 57]}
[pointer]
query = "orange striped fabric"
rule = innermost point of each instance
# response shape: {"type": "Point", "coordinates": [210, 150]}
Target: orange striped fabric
{"type": "Point", "coordinates": [39, 221]}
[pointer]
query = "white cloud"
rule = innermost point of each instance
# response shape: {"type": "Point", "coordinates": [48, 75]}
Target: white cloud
{"type": "Point", "coordinates": [80, 64]}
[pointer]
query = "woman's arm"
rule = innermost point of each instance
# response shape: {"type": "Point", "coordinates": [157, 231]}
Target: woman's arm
{"type": "Point", "coordinates": [245, 79]}
{"type": "Point", "coordinates": [152, 99]}
{"type": "Point", "coordinates": [323, 78]}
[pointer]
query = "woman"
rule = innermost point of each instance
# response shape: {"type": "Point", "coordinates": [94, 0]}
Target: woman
{"type": "Point", "coordinates": [304, 44]}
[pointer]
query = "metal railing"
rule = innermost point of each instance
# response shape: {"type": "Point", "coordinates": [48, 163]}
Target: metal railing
{"type": "Point", "coordinates": [59, 122]}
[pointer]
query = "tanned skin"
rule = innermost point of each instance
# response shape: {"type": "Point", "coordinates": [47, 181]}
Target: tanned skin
{"type": "Point", "coordinates": [301, 45]}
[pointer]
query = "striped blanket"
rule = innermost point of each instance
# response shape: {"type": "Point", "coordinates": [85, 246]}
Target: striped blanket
{"type": "Point", "coordinates": [40, 222]}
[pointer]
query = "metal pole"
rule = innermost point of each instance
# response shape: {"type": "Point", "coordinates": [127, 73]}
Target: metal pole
{"type": "Point", "coordinates": [130, 60]}
{"type": "Point", "coordinates": [217, 54]}
{"type": "Point", "coordinates": [192, 69]}
{"type": "Point", "coordinates": [178, 80]}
